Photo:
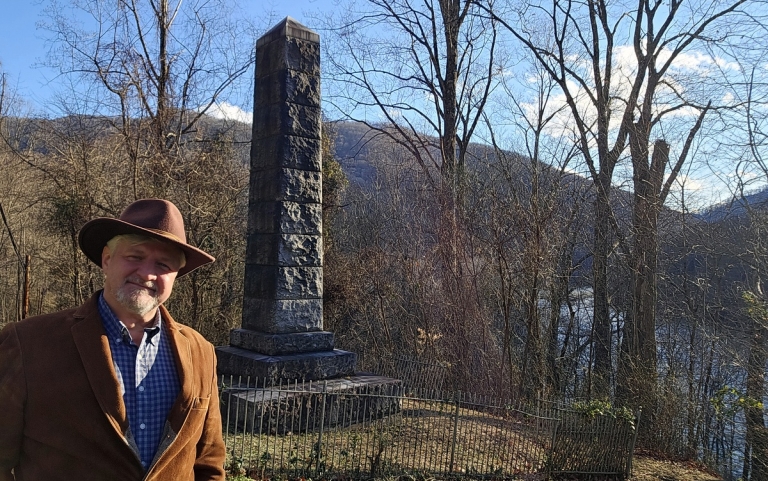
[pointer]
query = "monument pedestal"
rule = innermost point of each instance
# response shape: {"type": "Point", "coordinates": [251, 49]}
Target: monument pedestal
{"type": "Point", "coordinates": [278, 344]}
{"type": "Point", "coordinates": [295, 356]}
{"type": "Point", "coordinates": [306, 366]}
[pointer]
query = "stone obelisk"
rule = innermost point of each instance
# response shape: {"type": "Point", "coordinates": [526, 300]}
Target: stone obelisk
{"type": "Point", "coordinates": [282, 334]}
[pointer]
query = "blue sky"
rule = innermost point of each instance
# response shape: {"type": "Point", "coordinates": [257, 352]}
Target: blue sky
{"type": "Point", "coordinates": [23, 46]}
{"type": "Point", "coordinates": [23, 49]}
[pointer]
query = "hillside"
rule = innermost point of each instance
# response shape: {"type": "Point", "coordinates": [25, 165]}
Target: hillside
{"type": "Point", "coordinates": [736, 207]}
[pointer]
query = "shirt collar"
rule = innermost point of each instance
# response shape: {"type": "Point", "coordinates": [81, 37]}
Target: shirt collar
{"type": "Point", "coordinates": [115, 328]}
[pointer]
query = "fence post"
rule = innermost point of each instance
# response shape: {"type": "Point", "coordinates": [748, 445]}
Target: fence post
{"type": "Point", "coordinates": [548, 456]}
{"type": "Point", "coordinates": [228, 403]}
{"type": "Point", "coordinates": [455, 431]}
{"type": "Point", "coordinates": [245, 411]}
{"type": "Point", "coordinates": [319, 449]}
{"type": "Point", "coordinates": [25, 296]}
{"type": "Point", "coordinates": [632, 447]}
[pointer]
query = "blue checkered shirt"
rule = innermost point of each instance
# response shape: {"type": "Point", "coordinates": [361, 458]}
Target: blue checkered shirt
{"type": "Point", "coordinates": [147, 376]}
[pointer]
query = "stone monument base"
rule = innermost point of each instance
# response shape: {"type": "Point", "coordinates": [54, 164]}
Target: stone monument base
{"type": "Point", "coordinates": [278, 344]}
{"type": "Point", "coordinates": [311, 407]}
{"type": "Point", "coordinates": [308, 366]}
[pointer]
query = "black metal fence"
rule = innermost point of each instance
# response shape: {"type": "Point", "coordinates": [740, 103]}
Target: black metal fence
{"type": "Point", "coordinates": [372, 426]}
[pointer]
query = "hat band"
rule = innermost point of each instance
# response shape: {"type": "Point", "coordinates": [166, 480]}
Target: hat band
{"type": "Point", "coordinates": [166, 234]}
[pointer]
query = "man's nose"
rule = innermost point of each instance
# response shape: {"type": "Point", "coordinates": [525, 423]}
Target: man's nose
{"type": "Point", "coordinates": [147, 270]}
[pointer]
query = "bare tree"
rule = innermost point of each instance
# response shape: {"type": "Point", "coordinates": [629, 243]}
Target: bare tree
{"type": "Point", "coordinates": [16, 189]}
{"type": "Point", "coordinates": [756, 440]}
{"type": "Point", "coordinates": [154, 67]}
{"type": "Point", "coordinates": [615, 102]}
{"type": "Point", "coordinates": [420, 75]}
{"type": "Point", "coordinates": [534, 208]}
{"type": "Point", "coordinates": [142, 75]}
{"type": "Point", "coordinates": [749, 224]}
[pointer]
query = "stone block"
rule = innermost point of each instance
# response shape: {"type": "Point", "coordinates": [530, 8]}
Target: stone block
{"type": "Point", "coordinates": [299, 283]}
{"type": "Point", "coordinates": [236, 361]}
{"type": "Point", "coordinates": [288, 47]}
{"type": "Point", "coordinates": [285, 218]}
{"type": "Point", "coordinates": [274, 282]}
{"type": "Point", "coordinates": [259, 253]}
{"type": "Point", "coordinates": [300, 250]}
{"type": "Point", "coordinates": [290, 185]}
{"type": "Point", "coordinates": [289, 250]}
{"type": "Point", "coordinates": [288, 86]}
{"type": "Point", "coordinates": [282, 316]}
{"type": "Point", "coordinates": [286, 119]}
{"type": "Point", "coordinates": [278, 344]}
{"type": "Point", "coordinates": [289, 151]}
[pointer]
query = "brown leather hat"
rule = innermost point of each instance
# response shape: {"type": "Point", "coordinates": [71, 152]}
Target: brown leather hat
{"type": "Point", "coordinates": [155, 218]}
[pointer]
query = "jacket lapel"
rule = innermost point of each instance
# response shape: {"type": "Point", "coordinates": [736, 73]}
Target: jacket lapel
{"type": "Point", "coordinates": [93, 346]}
{"type": "Point", "coordinates": [183, 357]}
{"type": "Point", "coordinates": [180, 409]}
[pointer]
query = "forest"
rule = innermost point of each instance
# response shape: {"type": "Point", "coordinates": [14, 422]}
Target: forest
{"type": "Point", "coordinates": [552, 200]}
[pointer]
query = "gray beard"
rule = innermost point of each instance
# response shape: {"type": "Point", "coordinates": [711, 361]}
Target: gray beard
{"type": "Point", "coordinates": [136, 302]}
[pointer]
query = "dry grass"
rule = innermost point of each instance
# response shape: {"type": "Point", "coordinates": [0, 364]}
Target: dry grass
{"type": "Point", "coordinates": [649, 469]}
{"type": "Point", "coordinates": [645, 469]}
{"type": "Point", "coordinates": [419, 436]}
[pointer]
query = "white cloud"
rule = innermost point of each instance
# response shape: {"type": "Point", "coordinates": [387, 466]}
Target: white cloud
{"type": "Point", "coordinates": [690, 184]}
{"type": "Point", "coordinates": [687, 65]}
{"type": "Point", "coordinates": [745, 177]}
{"type": "Point", "coordinates": [227, 111]}
{"type": "Point", "coordinates": [393, 113]}
{"type": "Point", "coordinates": [693, 61]}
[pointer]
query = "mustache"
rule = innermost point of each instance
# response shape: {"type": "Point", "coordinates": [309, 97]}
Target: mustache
{"type": "Point", "coordinates": [148, 284]}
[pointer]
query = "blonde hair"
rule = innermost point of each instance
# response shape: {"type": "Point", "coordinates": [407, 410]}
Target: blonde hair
{"type": "Point", "coordinates": [137, 239]}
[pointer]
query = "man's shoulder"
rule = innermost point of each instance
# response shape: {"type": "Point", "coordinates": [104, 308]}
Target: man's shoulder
{"type": "Point", "coordinates": [192, 335]}
{"type": "Point", "coordinates": [53, 321]}
{"type": "Point", "coordinates": [201, 350]}
{"type": "Point", "coordinates": [33, 331]}
{"type": "Point", "coordinates": [46, 321]}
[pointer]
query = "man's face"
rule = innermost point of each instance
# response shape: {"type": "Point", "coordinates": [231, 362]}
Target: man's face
{"type": "Point", "coordinates": [139, 276]}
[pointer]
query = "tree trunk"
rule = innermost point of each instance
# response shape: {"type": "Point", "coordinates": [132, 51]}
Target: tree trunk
{"type": "Point", "coordinates": [638, 360]}
{"type": "Point", "coordinates": [451, 23]}
{"type": "Point", "coordinates": [601, 378]}
{"type": "Point", "coordinates": [533, 356]}
{"type": "Point", "coordinates": [162, 120]}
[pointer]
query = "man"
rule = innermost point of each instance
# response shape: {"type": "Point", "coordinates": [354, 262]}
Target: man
{"type": "Point", "coordinates": [114, 389]}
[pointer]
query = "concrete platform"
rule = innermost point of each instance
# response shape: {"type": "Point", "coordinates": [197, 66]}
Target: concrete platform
{"type": "Point", "coordinates": [310, 406]}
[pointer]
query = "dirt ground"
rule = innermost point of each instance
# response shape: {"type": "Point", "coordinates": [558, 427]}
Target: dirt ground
{"type": "Point", "coordinates": [649, 469]}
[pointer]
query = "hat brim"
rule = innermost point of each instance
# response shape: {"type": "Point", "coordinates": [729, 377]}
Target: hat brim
{"type": "Point", "coordinates": [95, 234]}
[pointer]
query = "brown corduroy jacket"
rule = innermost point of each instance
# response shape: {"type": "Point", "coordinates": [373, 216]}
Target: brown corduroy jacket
{"type": "Point", "coordinates": [62, 416]}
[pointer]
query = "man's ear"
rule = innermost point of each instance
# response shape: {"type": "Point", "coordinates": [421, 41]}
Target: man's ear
{"type": "Point", "coordinates": [105, 256]}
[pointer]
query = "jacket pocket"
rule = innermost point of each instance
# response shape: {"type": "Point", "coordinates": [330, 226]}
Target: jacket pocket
{"type": "Point", "coordinates": [200, 402]}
